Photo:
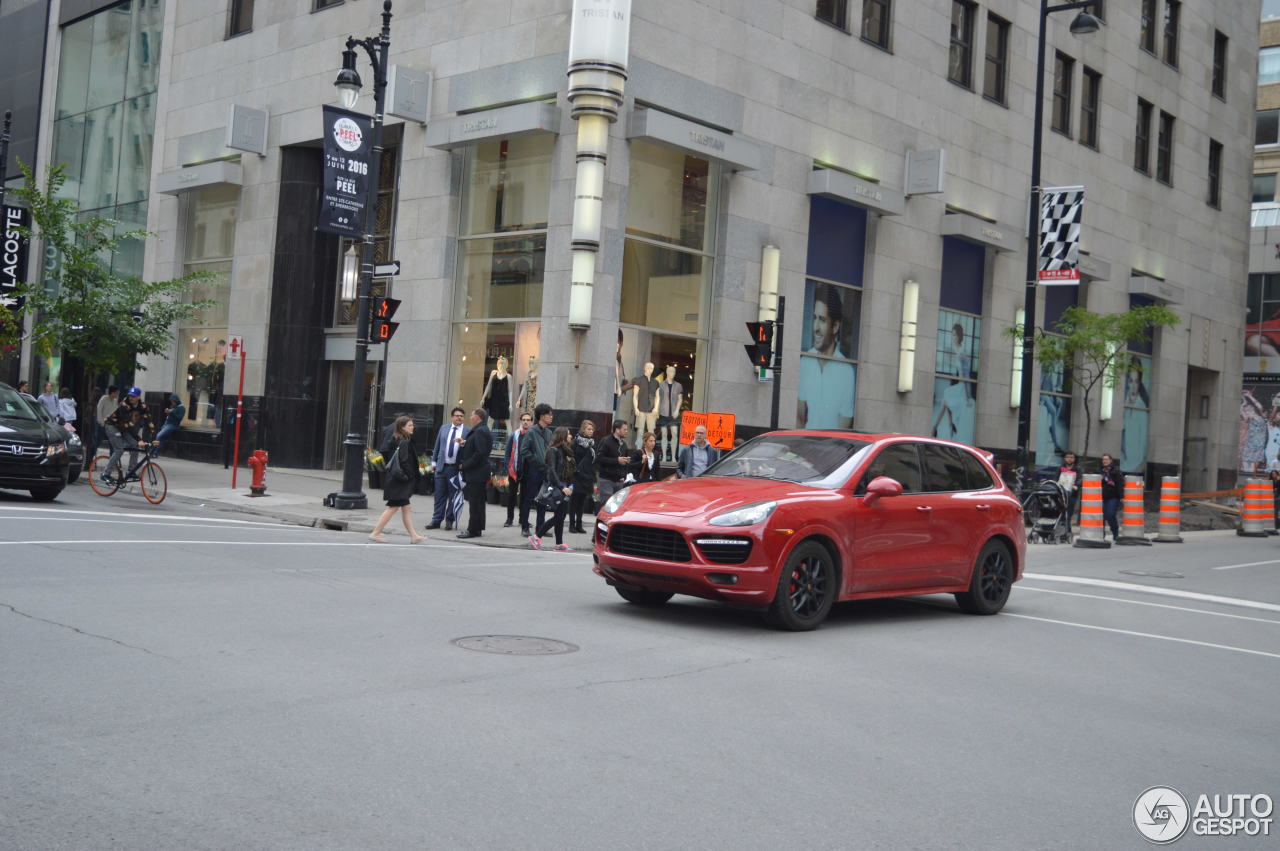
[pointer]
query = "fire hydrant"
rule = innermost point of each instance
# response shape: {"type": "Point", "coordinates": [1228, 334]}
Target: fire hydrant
{"type": "Point", "coordinates": [258, 463]}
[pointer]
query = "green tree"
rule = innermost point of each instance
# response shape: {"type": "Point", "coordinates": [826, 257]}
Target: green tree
{"type": "Point", "coordinates": [84, 308]}
{"type": "Point", "coordinates": [1095, 346]}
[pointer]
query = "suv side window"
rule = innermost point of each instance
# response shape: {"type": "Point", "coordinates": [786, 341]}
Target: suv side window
{"type": "Point", "coordinates": [944, 468]}
{"type": "Point", "coordinates": [900, 461]}
{"type": "Point", "coordinates": [978, 477]}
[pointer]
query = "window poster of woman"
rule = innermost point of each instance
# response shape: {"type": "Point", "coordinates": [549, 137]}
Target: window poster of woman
{"type": "Point", "coordinates": [955, 413]}
{"type": "Point", "coordinates": [1137, 414]}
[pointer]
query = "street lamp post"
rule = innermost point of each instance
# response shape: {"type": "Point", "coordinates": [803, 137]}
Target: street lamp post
{"type": "Point", "coordinates": [348, 84]}
{"type": "Point", "coordinates": [1083, 24]}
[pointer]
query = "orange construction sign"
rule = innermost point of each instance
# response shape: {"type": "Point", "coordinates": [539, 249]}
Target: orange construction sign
{"type": "Point", "coordinates": [719, 428]}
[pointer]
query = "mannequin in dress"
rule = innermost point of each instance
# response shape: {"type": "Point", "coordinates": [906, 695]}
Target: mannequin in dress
{"type": "Point", "coordinates": [645, 396]}
{"type": "Point", "coordinates": [497, 395]}
{"type": "Point", "coordinates": [528, 397]}
{"type": "Point", "coordinates": [670, 398]}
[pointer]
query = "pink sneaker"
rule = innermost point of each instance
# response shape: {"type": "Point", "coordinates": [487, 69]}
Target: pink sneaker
{"type": "Point", "coordinates": [563, 548]}
{"type": "Point", "coordinates": [535, 542]}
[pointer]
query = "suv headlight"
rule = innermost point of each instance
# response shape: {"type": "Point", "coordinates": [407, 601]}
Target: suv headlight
{"type": "Point", "coordinates": [615, 502]}
{"type": "Point", "coordinates": [73, 440]}
{"type": "Point", "coordinates": [748, 515]}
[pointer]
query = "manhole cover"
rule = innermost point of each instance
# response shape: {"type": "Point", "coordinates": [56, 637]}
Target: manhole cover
{"type": "Point", "coordinates": [1156, 574]}
{"type": "Point", "coordinates": [515, 645]}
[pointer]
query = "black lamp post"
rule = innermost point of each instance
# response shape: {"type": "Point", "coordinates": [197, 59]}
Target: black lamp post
{"type": "Point", "coordinates": [1084, 24]}
{"type": "Point", "coordinates": [348, 84]}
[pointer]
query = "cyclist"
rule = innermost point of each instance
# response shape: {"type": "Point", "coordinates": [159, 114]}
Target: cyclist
{"type": "Point", "coordinates": [130, 424]}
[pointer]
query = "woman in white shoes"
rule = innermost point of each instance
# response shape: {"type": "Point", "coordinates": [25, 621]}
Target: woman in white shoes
{"type": "Point", "coordinates": [399, 480]}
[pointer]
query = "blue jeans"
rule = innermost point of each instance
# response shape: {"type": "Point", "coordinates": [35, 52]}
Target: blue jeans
{"type": "Point", "coordinates": [165, 431]}
{"type": "Point", "coordinates": [1110, 508]}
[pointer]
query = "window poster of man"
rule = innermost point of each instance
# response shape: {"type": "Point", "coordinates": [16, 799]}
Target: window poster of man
{"type": "Point", "coordinates": [1259, 424]}
{"type": "Point", "coordinates": [956, 367]}
{"type": "Point", "coordinates": [1262, 325]}
{"type": "Point", "coordinates": [829, 347]}
{"type": "Point", "coordinates": [1053, 428]}
{"type": "Point", "coordinates": [1137, 414]}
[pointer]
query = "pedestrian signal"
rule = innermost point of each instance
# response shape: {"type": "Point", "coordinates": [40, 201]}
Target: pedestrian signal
{"type": "Point", "coordinates": [760, 350]}
{"type": "Point", "coordinates": [382, 328]}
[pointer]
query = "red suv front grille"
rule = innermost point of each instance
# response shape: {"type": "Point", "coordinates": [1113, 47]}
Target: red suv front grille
{"type": "Point", "coordinates": [648, 542]}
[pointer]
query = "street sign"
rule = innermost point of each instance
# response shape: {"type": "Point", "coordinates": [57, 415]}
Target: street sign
{"type": "Point", "coordinates": [387, 270]}
{"type": "Point", "coordinates": [235, 347]}
{"type": "Point", "coordinates": [720, 427]}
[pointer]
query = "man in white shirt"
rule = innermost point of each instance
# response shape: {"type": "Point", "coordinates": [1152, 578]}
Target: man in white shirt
{"type": "Point", "coordinates": [444, 456]}
{"type": "Point", "coordinates": [826, 386]}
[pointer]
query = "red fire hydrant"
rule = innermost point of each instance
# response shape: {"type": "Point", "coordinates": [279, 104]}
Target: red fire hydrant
{"type": "Point", "coordinates": [258, 463]}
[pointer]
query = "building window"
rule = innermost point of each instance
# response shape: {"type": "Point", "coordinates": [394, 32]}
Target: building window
{"type": "Point", "coordinates": [832, 315]}
{"type": "Point", "coordinates": [1264, 188]}
{"type": "Point", "coordinates": [960, 65]}
{"type": "Point", "coordinates": [241, 20]}
{"type": "Point", "coordinates": [1142, 138]}
{"type": "Point", "coordinates": [208, 245]}
{"type": "Point", "coordinates": [1089, 100]}
{"type": "Point", "coordinates": [1063, 70]}
{"type": "Point", "coordinates": [1270, 9]}
{"type": "Point", "coordinates": [877, 16]}
{"type": "Point", "coordinates": [325, 4]}
{"type": "Point", "coordinates": [1164, 149]}
{"type": "Point", "coordinates": [995, 68]}
{"type": "Point", "coordinates": [1269, 65]}
{"type": "Point", "coordinates": [1266, 127]}
{"type": "Point", "coordinates": [1220, 43]}
{"type": "Point", "coordinates": [1147, 26]}
{"type": "Point", "coordinates": [345, 304]}
{"type": "Point", "coordinates": [956, 358]}
{"type": "Point", "coordinates": [1214, 195]}
{"type": "Point", "coordinates": [1137, 415]}
{"type": "Point", "coordinates": [1172, 14]}
{"type": "Point", "coordinates": [834, 12]}
{"type": "Point", "coordinates": [1053, 423]}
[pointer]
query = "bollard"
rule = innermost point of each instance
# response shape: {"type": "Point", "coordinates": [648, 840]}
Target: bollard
{"type": "Point", "coordinates": [1256, 511]}
{"type": "Point", "coordinates": [1090, 534]}
{"type": "Point", "coordinates": [1132, 522]}
{"type": "Point", "coordinates": [1170, 511]}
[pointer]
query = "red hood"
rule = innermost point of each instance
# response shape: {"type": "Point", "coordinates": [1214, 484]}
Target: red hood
{"type": "Point", "coordinates": [707, 495]}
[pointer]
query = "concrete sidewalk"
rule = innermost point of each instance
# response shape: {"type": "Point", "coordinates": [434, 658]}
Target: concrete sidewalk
{"type": "Point", "coordinates": [297, 496]}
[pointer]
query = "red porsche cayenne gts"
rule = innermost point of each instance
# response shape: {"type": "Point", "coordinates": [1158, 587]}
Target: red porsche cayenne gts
{"type": "Point", "coordinates": [793, 521]}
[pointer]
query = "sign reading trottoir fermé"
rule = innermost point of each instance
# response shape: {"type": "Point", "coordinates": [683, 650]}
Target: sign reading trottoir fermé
{"type": "Point", "coordinates": [347, 152]}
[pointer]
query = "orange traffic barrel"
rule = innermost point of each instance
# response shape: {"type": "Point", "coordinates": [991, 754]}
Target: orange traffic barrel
{"type": "Point", "coordinates": [1090, 534]}
{"type": "Point", "coordinates": [1133, 524]}
{"type": "Point", "coordinates": [1170, 511]}
{"type": "Point", "coordinates": [1258, 511]}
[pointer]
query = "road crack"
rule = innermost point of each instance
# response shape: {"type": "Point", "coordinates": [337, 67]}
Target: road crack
{"type": "Point", "coordinates": [87, 634]}
{"type": "Point", "coordinates": [689, 672]}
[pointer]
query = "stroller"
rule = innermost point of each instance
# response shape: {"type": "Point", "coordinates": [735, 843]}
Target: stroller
{"type": "Point", "coordinates": [1046, 510]}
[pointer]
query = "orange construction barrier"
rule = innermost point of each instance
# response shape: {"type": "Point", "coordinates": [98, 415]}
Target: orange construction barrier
{"type": "Point", "coordinates": [1170, 511]}
{"type": "Point", "coordinates": [1133, 525]}
{"type": "Point", "coordinates": [1090, 534]}
{"type": "Point", "coordinates": [1258, 511]}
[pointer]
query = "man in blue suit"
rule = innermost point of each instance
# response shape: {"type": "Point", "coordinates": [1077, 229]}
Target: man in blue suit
{"type": "Point", "coordinates": [445, 455]}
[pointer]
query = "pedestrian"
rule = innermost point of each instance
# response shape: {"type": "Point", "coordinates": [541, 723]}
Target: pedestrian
{"type": "Point", "coordinates": [515, 472]}
{"type": "Point", "coordinates": [444, 456]}
{"type": "Point", "coordinates": [67, 408]}
{"type": "Point", "coordinates": [584, 476]}
{"type": "Point", "coordinates": [1112, 484]}
{"type": "Point", "coordinates": [559, 471]}
{"type": "Point", "coordinates": [49, 400]}
{"type": "Point", "coordinates": [474, 463]}
{"type": "Point", "coordinates": [24, 387]}
{"type": "Point", "coordinates": [697, 456]}
{"type": "Point", "coordinates": [646, 466]}
{"type": "Point", "coordinates": [611, 460]}
{"type": "Point", "coordinates": [106, 407]}
{"type": "Point", "coordinates": [399, 480]}
{"type": "Point", "coordinates": [174, 413]}
{"type": "Point", "coordinates": [1069, 478]}
{"type": "Point", "coordinates": [533, 456]}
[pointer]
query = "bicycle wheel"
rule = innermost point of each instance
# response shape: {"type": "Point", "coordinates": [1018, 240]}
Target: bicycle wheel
{"type": "Point", "coordinates": [154, 483]}
{"type": "Point", "coordinates": [96, 469]}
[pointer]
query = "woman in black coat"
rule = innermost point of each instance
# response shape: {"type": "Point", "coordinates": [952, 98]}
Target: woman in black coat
{"type": "Point", "coordinates": [584, 479]}
{"type": "Point", "coordinates": [400, 456]}
{"type": "Point", "coordinates": [646, 464]}
{"type": "Point", "coordinates": [559, 455]}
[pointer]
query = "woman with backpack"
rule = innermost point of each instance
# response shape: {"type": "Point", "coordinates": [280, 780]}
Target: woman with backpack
{"type": "Point", "coordinates": [584, 480]}
{"type": "Point", "coordinates": [559, 479]}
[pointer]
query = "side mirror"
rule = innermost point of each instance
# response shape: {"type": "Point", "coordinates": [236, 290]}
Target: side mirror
{"type": "Point", "coordinates": [882, 486]}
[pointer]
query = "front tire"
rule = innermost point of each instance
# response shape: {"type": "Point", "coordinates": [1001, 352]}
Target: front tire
{"type": "Point", "coordinates": [45, 494]}
{"type": "Point", "coordinates": [806, 589]}
{"type": "Point", "coordinates": [642, 596]}
{"type": "Point", "coordinates": [991, 583]}
{"type": "Point", "coordinates": [155, 485]}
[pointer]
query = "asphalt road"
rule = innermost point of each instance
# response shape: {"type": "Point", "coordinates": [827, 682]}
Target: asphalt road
{"type": "Point", "coordinates": [175, 677]}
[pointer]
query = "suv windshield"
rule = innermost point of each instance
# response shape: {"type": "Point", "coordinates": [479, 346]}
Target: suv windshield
{"type": "Point", "coordinates": [14, 407]}
{"type": "Point", "coordinates": [822, 462]}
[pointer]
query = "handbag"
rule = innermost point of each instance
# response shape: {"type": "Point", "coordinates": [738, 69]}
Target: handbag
{"type": "Point", "coordinates": [549, 496]}
{"type": "Point", "coordinates": [395, 469]}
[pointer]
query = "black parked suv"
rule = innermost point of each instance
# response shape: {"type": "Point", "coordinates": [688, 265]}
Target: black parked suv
{"type": "Point", "coordinates": [33, 452]}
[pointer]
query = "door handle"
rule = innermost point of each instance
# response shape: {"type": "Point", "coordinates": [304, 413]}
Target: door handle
{"type": "Point", "coordinates": [983, 507]}
{"type": "Point", "coordinates": [924, 509]}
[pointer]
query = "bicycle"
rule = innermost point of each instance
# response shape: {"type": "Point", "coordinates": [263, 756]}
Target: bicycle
{"type": "Point", "coordinates": [147, 473]}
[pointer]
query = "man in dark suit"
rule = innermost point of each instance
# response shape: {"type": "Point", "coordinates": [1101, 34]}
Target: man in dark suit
{"type": "Point", "coordinates": [444, 455]}
{"type": "Point", "coordinates": [697, 456]}
{"type": "Point", "coordinates": [474, 462]}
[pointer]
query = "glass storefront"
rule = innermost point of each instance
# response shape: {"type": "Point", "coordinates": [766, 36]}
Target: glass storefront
{"type": "Point", "coordinates": [209, 244]}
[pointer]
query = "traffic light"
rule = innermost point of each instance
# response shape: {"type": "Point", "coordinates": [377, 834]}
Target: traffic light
{"type": "Point", "coordinates": [382, 329]}
{"type": "Point", "coordinates": [760, 351]}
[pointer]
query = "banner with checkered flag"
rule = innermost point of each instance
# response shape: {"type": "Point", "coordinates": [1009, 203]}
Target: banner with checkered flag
{"type": "Point", "coordinates": [1060, 212]}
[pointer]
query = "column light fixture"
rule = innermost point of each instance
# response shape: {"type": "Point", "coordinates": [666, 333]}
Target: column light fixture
{"type": "Point", "coordinates": [907, 336]}
{"type": "Point", "coordinates": [770, 262]}
{"type": "Point", "coordinates": [1015, 383]}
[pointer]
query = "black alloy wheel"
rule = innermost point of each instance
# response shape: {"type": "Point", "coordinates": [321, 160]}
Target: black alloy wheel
{"type": "Point", "coordinates": [643, 596]}
{"type": "Point", "coordinates": [806, 589]}
{"type": "Point", "coordinates": [991, 583]}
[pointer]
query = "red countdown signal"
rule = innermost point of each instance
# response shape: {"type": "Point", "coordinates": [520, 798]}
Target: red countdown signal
{"type": "Point", "coordinates": [382, 328]}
